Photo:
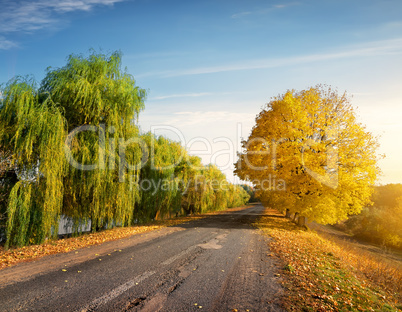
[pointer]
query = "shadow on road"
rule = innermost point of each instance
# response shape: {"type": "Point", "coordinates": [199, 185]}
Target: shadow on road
{"type": "Point", "coordinates": [236, 218]}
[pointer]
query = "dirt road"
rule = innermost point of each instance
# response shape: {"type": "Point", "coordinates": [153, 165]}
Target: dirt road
{"type": "Point", "coordinates": [219, 263]}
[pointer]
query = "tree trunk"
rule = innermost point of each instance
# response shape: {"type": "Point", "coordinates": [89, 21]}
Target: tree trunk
{"type": "Point", "coordinates": [158, 215]}
{"type": "Point", "coordinates": [301, 221]}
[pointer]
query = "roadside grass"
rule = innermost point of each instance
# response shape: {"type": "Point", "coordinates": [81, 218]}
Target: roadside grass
{"type": "Point", "coordinates": [377, 268]}
{"type": "Point", "coordinates": [321, 275]}
{"type": "Point", "coordinates": [13, 256]}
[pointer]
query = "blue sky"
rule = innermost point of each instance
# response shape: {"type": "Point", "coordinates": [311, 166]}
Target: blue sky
{"type": "Point", "coordinates": [209, 66]}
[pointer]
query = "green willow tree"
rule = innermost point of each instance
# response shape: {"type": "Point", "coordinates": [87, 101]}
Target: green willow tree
{"type": "Point", "coordinates": [35, 124]}
{"type": "Point", "coordinates": [95, 91]}
{"type": "Point", "coordinates": [159, 184]}
{"type": "Point", "coordinates": [173, 182]}
{"type": "Point", "coordinates": [32, 131]}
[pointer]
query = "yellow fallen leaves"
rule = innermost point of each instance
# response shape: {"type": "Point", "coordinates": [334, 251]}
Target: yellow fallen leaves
{"type": "Point", "coordinates": [13, 256]}
{"type": "Point", "coordinates": [315, 275]}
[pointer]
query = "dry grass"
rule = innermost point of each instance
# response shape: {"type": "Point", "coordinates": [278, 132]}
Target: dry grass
{"type": "Point", "coordinates": [320, 275]}
{"type": "Point", "coordinates": [380, 271]}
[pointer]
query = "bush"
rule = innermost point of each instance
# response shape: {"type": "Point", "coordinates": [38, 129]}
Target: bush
{"type": "Point", "coordinates": [382, 222]}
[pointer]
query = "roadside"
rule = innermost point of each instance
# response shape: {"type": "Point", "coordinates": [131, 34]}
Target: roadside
{"type": "Point", "coordinates": [14, 256]}
{"type": "Point", "coordinates": [321, 275]}
{"type": "Point", "coordinates": [341, 237]}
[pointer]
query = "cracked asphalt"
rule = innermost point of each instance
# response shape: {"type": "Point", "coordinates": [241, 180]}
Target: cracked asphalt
{"type": "Point", "coordinates": [218, 263]}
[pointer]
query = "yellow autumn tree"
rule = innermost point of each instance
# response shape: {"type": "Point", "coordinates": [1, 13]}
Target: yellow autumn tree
{"type": "Point", "coordinates": [308, 153]}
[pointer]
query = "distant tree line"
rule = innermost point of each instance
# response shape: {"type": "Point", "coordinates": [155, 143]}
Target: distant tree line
{"type": "Point", "coordinates": [70, 146]}
{"type": "Point", "coordinates": [252, 192]}
{"type": "Point", "coordinates": [381, 222]}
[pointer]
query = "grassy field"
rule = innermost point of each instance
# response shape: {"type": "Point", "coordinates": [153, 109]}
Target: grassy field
{"type": "Point", "coordinates": [321, 274]}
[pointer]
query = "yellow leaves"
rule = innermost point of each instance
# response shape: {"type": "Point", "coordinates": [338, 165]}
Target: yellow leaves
{"type": "Point", "coordinates": [312, 142]}
{"type": "Point", "coordinates": [13, 256]}
{"type": "Point", "coordinates": [317, 273]}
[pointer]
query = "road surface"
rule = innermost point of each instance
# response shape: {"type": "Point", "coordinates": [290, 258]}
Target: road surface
{"type": "Point", "coordinates": [219, 263]}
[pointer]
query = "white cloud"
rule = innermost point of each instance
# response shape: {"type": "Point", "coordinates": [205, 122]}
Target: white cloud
{"type": "Point", "coordinates": [384, 47]}
{"type": "Point", "coordinates": [30, 16]}
{"type": "Point", "coordinates": [6, 44]}
{"type": "Point", "coordinates": [241, 14]}
{"type": "Point", "coordinates": [281, 6]}
{"type": "Point", "coordinates": [264, 10]}
{"type": "Point", "coordinates": [394, 25]}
